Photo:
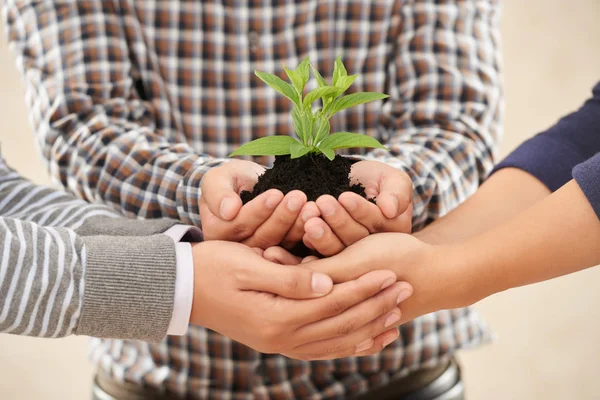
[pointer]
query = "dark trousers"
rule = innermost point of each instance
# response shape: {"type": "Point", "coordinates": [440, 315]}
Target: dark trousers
{"type": "Point", "coordinates": [439, 383]}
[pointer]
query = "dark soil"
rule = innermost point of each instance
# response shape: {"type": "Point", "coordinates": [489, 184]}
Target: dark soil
{"type": "Point", "coordinates": [314, 175]}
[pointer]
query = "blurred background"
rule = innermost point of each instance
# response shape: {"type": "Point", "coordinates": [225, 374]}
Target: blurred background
{"type": "Point", "coordinates": [547, 345]}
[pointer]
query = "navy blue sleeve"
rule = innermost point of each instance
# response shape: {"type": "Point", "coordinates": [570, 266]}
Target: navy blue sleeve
{"type": "Point", "coordinates": [587, 176]}
{"type": "Point", "coordinates": [551, 155]}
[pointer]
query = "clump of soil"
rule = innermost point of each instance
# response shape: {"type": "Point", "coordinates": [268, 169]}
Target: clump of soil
{"type": "Point", "coordinates": [312, 174]}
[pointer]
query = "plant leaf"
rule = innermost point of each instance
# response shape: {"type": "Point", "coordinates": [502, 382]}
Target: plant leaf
{"type": "Point", "coordinates": [348, 140]}
{"type": "Point", "coordinates": [297, 123]}
{"type": "Point", "coordinates": [321, 130]}
{"type": "Point", "coordinates": [355, 99]}
{"type": "Point", "coordinates": [320, 81]}
{"type": "Point", "coordinates": [303, 71]}
{"type": "Point", "coordinates": [295, 79]}
{"type": "Point", "coordinates": [345, 82]}
{"type": "Point", "coordinates": [327, 152]}
{"type": "Point", "coordinates": [297, 150]}
{"type": "Point", "coordinates": [339, 70]}
{"type": "Point", "coordinates": [280, 85]}
{"type": "Point", "coordinates": [318, 93]}
{"type": "Point", "coordinates": [266, 146]}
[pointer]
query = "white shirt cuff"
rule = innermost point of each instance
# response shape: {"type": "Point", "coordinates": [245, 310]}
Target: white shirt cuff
{"type": "Point", "coordinates": [184, 281]}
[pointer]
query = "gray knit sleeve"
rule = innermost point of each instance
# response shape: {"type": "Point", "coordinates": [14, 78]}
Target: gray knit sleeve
{"type": "Point", "coordinates": [115, 278]}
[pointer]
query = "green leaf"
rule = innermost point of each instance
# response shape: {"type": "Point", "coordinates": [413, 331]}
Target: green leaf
{"type": "Point", "coordinates": [280, 85]}
{"type": "Point", "coordinates": [318, 93]}
{"type": "Point", "coordinates": [303, 71]}
{"type": "Point", "coordinates": [298, 124]}
{"type": "Point", "coordinates": [355, 99]}
{"type": "Point", "coordinates": [320, 81]}
{"type": "Point", "coordinates": [339, 70]}
{"type": "Point", "coordinates": [295, 79]}
{"type": "Point", "coordinates": [266, 146]}
{"type": "Point", "coordinates": [327, 152]}
{"type": "Point", "coordinates": [345, 82]}
{"type": "Point", "coordinates": [347, 140]}
{"type": "Point", "coordinates": [321, 130]}
{"type": "Point", "coordinates": [297, 150]}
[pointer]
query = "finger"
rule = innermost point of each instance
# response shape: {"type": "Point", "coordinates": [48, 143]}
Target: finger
{"type": "Point", "coordinates": [280, 255]}
{"type": "Point", "coordinates": [250, 217]}
{"type": "Point", "coordinates": [380, 343]}
{"type": "Point", "coordinates": [360, 315]}
{"type": "Point", "coordinates": [221, 187]}
{"type": "Point", "coordinates": [356, 342]}
{"type": "Point", "coordinates": [321, 238]}
{"type": "Point", "coordinates": [258, 251]}
{"type": "Point", "coordinates": [349, 265]}
{"type": "Point", "coordinates": [395, 194]}
{"type": "Point", "coordinates": [342, 297]}
{"type": "Point", "coordinates": [292, 282]}
{"type": "Point", "coordinates": [273, 230]}
{"type": "Point", "coordinates": [295, 234]}
{"type": "Point", "coordinates": [363, 211]}
{"type": "Point", "coordinates": [309, 259]}
{"type": "Point", "coordinates": [341, 223]}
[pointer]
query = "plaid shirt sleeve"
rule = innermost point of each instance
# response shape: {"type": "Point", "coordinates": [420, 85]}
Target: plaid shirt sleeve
{"type": "Point", "coordinates": [98, 136]}
{"type": "Point", "coordinates": [444, 124]}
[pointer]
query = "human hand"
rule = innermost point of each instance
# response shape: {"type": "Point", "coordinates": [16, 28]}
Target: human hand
{"type": "Point", "coordinates": [251, 300]}
{"type": "Point", "coordinates": [439, 274]}
{"type": "Point", "coordinates": [351, 217]}
{"type": "Point", "coordinates": [267, 220]}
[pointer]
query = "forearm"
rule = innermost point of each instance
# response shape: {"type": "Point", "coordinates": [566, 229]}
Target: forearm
{"type": "Point", "coordinates": [503, 196]}
{"type": "Point", "coordinates": [443, 135]}
{"type": "Point", "coordinates": [103, 140]}
{"type": "Point", "coordinates": [557, 236]}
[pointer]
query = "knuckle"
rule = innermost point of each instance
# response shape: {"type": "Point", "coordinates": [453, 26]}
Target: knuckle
{"type": "Point", "coordinates": [291, 283]}
{"type": "Point", "coordinates": [241, 230]}
{"type": "Point", "coordinates": [337, 306]}
{"type": "Point", "coordinates": [334, 348]}
{"type": "Point", "coordinates": [378, 225]}
{"type": "Point", "coordinates": [346, 327]}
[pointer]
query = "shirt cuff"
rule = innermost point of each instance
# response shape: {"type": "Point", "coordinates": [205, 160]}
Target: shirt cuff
{"type": "Point", "coordinates": [184, 280]}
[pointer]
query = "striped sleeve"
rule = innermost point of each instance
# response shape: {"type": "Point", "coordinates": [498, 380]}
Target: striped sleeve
{"type": "Point", "coordinates": [56, 281]}
{"type": "Point", "coordinates": [443, 124]}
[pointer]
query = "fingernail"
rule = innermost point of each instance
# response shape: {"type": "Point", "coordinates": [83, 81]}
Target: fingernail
{"type": "Point", "coordinates": [272, 201]}
{"type": "Point", "coordinates": [350, 204]}
{"type": "Point", "coordinates": [389, 341]}
{"type": "Point", "coordinates": [227, 208]}
{"type": "Point", "coordinates": [327, 209]}
{"type": "Point", "coordinates": [395, 202]}
{"type": "Point", "coordinates": [362, 346]}
{"type": "Point", "coordinates": [387, 283]}
{"type": "Point", "coordinates": [294, 204]}
{"type": "Point", "coordinates": [321, 283]}
{"type": "Point", "coordinates": [306, 215]}
{"type": "Point", "coordinates": [315, 232]}
{"type": "Point", "coordinates": [391, 319]}
{"type": "Point", "coordinates": [405, 294]}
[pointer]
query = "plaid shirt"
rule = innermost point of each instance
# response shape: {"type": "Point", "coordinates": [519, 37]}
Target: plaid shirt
{"type": "Point", "coordinates": [133, 101]}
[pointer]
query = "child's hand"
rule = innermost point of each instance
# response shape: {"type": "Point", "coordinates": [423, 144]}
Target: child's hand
{"type": "Point", "coordinates": [352, 217]}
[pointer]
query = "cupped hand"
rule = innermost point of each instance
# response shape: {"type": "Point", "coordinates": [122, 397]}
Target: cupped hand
{"type": "Point", "coordinates": [265, 221]}
{"type": "Point", "coordinates": [350, 218]}
{"type": "Point", "coordinates": [293, 310]}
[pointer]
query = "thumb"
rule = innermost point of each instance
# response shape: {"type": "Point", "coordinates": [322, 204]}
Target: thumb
{"type": "Point", "coordinates": [221, 186]}
{"type": "Point", "coordinates": [340, 268]}
{"type": "Point", "coordinates": [290, 281]}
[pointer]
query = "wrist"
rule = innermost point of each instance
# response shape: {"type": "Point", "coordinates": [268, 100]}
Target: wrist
{"type": "Point", "coordinates": [458, 270]}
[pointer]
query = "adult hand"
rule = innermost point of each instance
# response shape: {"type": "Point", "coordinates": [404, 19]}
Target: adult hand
{"type": "Point", "coordinates": [292, 310]}
{"type": "Point", "coordinates": [437, 273]}
{"type": "Point", "coordinates": [351, 217]}
{"type": "Point", "coordinates": [265, 221]}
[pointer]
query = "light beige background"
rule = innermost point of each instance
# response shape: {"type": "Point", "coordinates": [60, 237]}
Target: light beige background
{"type": "Point", "coordinates": [547, 345]}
